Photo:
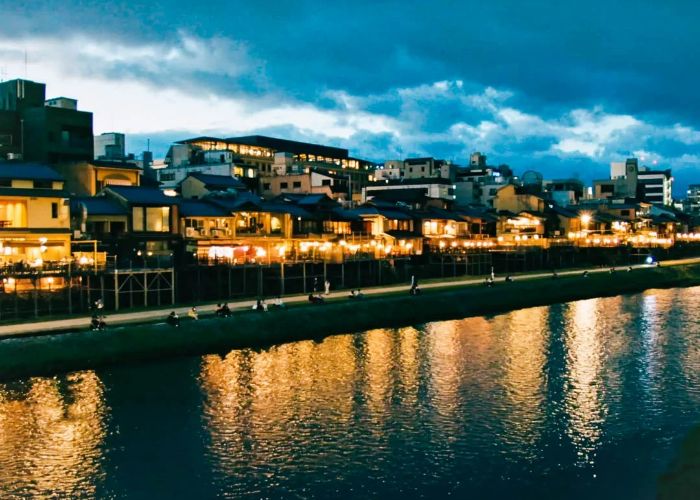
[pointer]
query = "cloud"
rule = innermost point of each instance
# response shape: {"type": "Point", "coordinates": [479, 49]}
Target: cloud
{"type": "Point", "coordinates": [192, 85]}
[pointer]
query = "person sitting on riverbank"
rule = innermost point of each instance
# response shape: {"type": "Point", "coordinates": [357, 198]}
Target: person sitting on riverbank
{"type": "Point", "coordinates": [316, 299]}
{"type": "Point", "coordinates": [260, 306]}
{"type": "Point", "coordinates": [488, 282]}
{"type": "Point", "coordinates": [173, 319]}
{"type": "Point", "coordinates": [509, 279]}
{"type": "Point", "coordinates": [355, 294]}
{"type": "Point", "coordinates": [193, 313]}
{"type": "Point", "coordinates": [223, 311]}
{"type": "Point", "coordinates": [612, 270]}
{"type": "Point", "coordinates": [629, 269]}
{"type": "Point", "coordinates": [278, 303]}
{"type": "Point", "coordinates": [97, 323]}
{"type": "Point", "coordinates": [585, 274]}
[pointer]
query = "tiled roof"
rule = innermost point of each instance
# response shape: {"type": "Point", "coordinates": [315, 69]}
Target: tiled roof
{"type": "Point", "coordinates": [99, 205]}
{"type": "Point", "coordinates": [218, 181]}
{"type": "Point", "coordinates": [202, 208]}
{"type": "Point", "coordinates": [142, 195]}
{"type": "Point", "coordinates": [28, 171]}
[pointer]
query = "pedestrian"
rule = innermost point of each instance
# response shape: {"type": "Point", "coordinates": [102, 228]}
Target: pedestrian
{"type": "Point", "coordinates": [315, 285]}
{"type": "Point", "coordinates": [193, 313]}
{"type": "Point", "coordinates": [493, 275]}
{"type": "Point", "coordinates": [327, 286]}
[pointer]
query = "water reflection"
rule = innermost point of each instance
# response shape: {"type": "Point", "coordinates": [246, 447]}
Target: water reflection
{"type": "Point", "coordinates": [51, 430]}
{"type": "Point", "coordinates": [542, 402]}
{"type": "Point", "coordinates": [585, 392]}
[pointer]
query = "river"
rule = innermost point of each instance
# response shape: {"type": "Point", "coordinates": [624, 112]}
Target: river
{"type": "Point", "coordinates": [578, 400]}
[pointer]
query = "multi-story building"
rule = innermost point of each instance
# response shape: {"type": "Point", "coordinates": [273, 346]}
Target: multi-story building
{"type": "Point", "coordinates": [692, 202]}
{"type": "Point", "coordinates": [87, 178]}
{"type": "Point", "coordinates": [110, 146]}
{"type": "Point", "coordinates": [414, 193]}
{"type": "Point", "coordinates": [654, 186]}
{"type": "Point", "coordinates": [47, 131]}
{"type": "Point", "coordinates": [34, 215]}
{"type": "Point", "coordinates": [479, 185]}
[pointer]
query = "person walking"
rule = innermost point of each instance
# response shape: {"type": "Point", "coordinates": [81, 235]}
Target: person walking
{"type": "Point", "coordinates": [327, 286]}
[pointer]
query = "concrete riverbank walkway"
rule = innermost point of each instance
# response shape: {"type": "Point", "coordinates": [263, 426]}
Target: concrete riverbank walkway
{"type": "Point", "coordinates": [82, 322]}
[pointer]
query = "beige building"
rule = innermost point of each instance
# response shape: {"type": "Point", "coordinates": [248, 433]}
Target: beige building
{"type": "Point", "coordinates": [34, 216]}
{"type": "Point", "coordinates": [88, 178]}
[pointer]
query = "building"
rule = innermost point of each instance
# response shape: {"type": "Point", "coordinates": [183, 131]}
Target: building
{"type": "Point", "coordinates": [34, 216]}
{"type": "Point", "coordinates": [198, 185]}
{"type": "Point", "coordinates": [564, 192]}
{"type": "Point", "coordinates": [414, 193]}
{"type": "Point", "coordinates": [692, 203]}
{"type": "Point", "coordinates": [45, 131]}
{"type": "Point", "coordinates": [150, 227]}
{"type": "Point", "coordinates": [87, 178]}
{"type": "Point", "coordinates": [110, 146]}
{"type": "Point", "coordinates": [654, 186]}
{"type": "Point", "coordinates": [183, 160]}
{"type": "Point", "coordinates": [478, 185]}
{"type": "Point", "coordinates": [258, 152]}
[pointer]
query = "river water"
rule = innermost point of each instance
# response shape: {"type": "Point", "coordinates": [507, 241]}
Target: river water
{"type": "Point", "coordinates": [578, 400]}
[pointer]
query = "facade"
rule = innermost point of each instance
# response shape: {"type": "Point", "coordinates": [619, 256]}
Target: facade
{"type": "Point", "coordinates": [654, 186]}
{"type": "Point", "coordinates": [415, 193]}
{"type": "Point", "coordinates": [34, 216]}
{"type": "Point", "coordinates": [50, 131]}
{"type": "Point", "coordinates": [198, 185]}
{"type": "Point", "coordinates": [110, 146]}
{"type": "Point", "coordinates": [692, 204]}
{"type": "Point", "coordinates": [88, 178]}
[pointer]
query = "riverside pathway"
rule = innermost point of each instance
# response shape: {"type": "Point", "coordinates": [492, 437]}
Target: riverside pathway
{"type": "Point", "coordinates": [82, 322]}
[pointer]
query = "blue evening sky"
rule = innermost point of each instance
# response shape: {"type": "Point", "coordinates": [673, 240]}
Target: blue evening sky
{"type": "Point", "coordinates": [561, 87]}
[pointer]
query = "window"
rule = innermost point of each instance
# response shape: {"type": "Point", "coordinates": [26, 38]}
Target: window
{"type": "Point", "coordinates": [296, 184]}
{"type": "Point", "coordinates": [155, 219]}
{"type": "Point", "coordinates": [43, 184]}
{"type": "Point", "coordinates": [158, 219]}
{"type": "Point", "coordinates": [137, 218]}
{"type": "Point", "coordinates": [607, 188]}
{"type": "Point", "coordinates": [170, 176]}
{"type": "Point", "coordinates": [5, 183]}
{"type": "Point", "coordinates": [13, 213]}
{"type": "Point", "coordinates": [625, 213]}
{"type": "Point", "coordinates": [266, 186]}
{"type": "Point", "coordinates": [54, 210]}
{"type": "Point", "coordinates": [284, 185]}
{"type": "Point", "coordinates": [326, 182]}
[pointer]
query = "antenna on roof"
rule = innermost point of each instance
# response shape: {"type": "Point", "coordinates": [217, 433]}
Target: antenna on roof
{"type": "Point", "coordinates": [26, 73]}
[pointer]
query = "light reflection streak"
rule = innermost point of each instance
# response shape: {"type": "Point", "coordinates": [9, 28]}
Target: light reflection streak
{"type": "Point", "coordinates": [51, 433]}
{"type": "Point", "coordinates": [584, 391]}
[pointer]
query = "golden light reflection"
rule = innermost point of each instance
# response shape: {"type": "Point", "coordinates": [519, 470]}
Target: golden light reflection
{"type": "Point", "coordinates": [584, 392]}
{"type": "Point", "coordinates": [52, 431]}
{"type": "Point", "coordinates": [525, 356]}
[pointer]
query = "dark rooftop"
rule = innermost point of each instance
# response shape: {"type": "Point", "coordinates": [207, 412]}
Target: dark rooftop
{"type": "Point", "coordinates": [28, 171]}
{"type": "Point", "coordinates": [278, 145]}
{"type": "Point", "coordinates": [99, 205]}
{"type": "Point", "coordinates": [218, 182]}
{"type": "Point", "coordinates": [142, 195]}
{"type": "Point", "coordinates": [201, 208]}
{"type": "Point", "coordinates": [127, 165]}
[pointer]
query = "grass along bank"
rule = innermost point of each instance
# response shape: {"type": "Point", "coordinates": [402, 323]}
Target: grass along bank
{"type": "Point", "coordinates": [50, 354]}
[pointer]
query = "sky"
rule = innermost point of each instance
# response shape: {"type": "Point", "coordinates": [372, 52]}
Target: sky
{"type": "Point", "coordinates": [559, 87]}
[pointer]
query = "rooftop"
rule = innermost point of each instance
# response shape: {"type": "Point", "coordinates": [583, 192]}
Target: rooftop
{"type": "Point", "coordinates": [28, 171]}
{"type": "Point", "coordinates": [218, 182]}
{"type": "Point", "coordinates": [142, 195]}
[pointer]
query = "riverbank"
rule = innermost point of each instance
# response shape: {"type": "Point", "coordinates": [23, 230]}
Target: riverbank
{"type": "Point", "coordinates": [50, 354]}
